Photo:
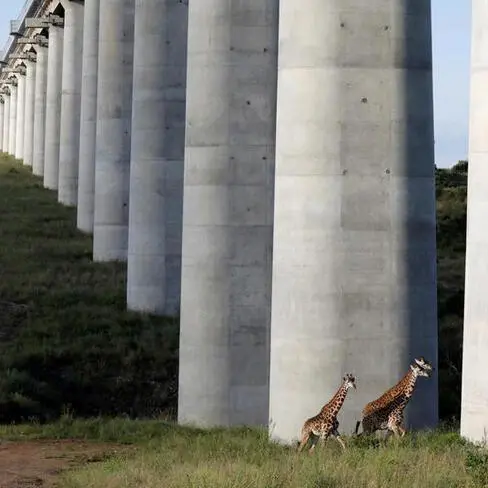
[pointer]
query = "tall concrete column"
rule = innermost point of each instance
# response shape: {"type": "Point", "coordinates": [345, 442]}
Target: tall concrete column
{"type": "Point", "coordinates": [114, 107]}
{"type": "Point", "coordinates": [228, 212]}
{"type": "Point", "coordinates": [6, 123]}
{"type": "Point", "coordinates": [53, 106]}
{"type": "Point", "coordinates": [12, 118]}
{"type": "Point", "coordinates": [40, 110]}
{"type": "Point", "coordinates": [158, 143]}
{"type": "Point", "coordinates": [354, 250]}
{"type": "Point", "coordinates": [2, 118]}
{"type": "Point", "coordinates": [19, 128]}
{"type": "Point", "coordinates": [71, 103]}
{"type": "Point", "coordinates": [30, 83]}
{"type": "Point", "coordinates": [474, 393]}
{"type": "Point", "coordinates": [88, 117]}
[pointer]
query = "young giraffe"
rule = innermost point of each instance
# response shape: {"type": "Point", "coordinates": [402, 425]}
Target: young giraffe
{"type": "Point", "coordinates": [386, 412]}
{"type": "Point", "coordinates": [325, 423]}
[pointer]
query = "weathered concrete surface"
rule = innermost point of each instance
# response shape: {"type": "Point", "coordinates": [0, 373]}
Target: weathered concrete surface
{"type": "Point", "coordinates": [6, 122]}
{"type": "Point", "coordinates": [114, 108]}
{"type": "Point", "coordinates": [2, 118]}
{"type": "Point", "coordinates": [158, 143]}
{"type": "Point", "coordinates": [19, 123]}
{"type": "Point", "coordinates": [354, 251]}
{"type": "Point", "coordinates": [474, 397]}
{"type": "Point", "coordinates": [12, 120]}
{"type": "Point", "coordinates": [88, 122]}
{"type": "Point", "coordinates": [69, 139]}
{"type": "Point", "coordinates": [53, 107]}
{"type": "Point", "coordinates": [30, 83]}
{"type": "Point", "coordinates": [40, 112]}
{"type": "Point", "coordinates": [228, 212]}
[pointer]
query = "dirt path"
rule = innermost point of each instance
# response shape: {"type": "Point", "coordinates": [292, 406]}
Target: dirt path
{"type": "Point", "coordinates": [37, 463]}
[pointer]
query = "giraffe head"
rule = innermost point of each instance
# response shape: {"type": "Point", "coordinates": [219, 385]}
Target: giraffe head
{"type": "Point", "coordinates": [349, 381]}
{"type": "Point", "coordinates": [421, 367]}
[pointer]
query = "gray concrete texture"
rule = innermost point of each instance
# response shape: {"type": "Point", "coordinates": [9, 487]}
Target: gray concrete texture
{"type": "Point", "coordinates": [474, 395]}
{"type": "Point", "coordinates": [228, 212]}
{"type": "Point", "coordinates": [12, 120]}
{"type": "Point", "coordinates": [354, 256]}
{"type": "Point", "coordinates": [40, 91]}
{"type": "Point", "coordinates": [113, 139]}
{"type": "Point", "coordinates": [30, 83]}
{"type": "Point", "coordinates": [88, 117]}
{"type": "Point", "coordinates": [2, 118]}
{"type": "Point", "coordinates": [6, 123]}
{"type": "Point", "coordinates": [157, 152]}
{"type": "Point", "coordinates": [53, 107]}
{"type": "Point", "coordinates": [69, 145]}
{"type": "Point", "coordinates": [19, 125]}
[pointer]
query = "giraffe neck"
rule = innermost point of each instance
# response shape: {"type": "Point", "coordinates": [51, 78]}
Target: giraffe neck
{"type": "Point", "coordinates": [411, 380]}
{"type": "Point", "coordinates": [337, 400]}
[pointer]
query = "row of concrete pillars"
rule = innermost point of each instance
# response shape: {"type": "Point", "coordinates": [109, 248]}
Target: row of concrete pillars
{"type": "Point", "coordinates": [275, 158]}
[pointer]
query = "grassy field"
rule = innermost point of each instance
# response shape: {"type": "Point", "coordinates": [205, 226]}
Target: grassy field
{"type": "Point", "coordinates": [66, 340]}
{"type": "Point", "coordinates": [169, 456]}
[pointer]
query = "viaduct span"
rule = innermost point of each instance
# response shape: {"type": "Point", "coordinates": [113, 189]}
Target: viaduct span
{"type": "Point", "coordinates": [266, 170]}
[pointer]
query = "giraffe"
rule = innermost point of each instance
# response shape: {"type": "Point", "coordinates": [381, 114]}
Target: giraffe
{"type": "Point", "coordinates": [386, 412]}
{"type": "Point", "coordinates": [325, 423]}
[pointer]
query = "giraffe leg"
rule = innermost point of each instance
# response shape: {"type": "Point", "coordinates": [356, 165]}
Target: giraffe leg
{"type": "Point", "coordinates": [337, 437]}
{"type": "Point", "coordinates": [315, 440]}
{"type": "Point", "coordinates": [305, 437]}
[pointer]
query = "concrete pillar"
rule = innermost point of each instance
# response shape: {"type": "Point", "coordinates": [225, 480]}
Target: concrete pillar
{"type": "Point", "coordinates": [114, 107]}
{"type": "Point", "coordinates": [6, 123]}
{"type": "Point", "coordinates": [19, 128]}
{"type": "Point", "coordinates": [40, 111]}
{"type": "Point", "coordinates": [71, 103]}
{"type": "Point", "coordinates": [354, 251]}
{"type": "Point", "coordinates": [30, 83]}
{"type": "Point", "coordinates": [13, 119]}
{"type": "Point", "coordinates": [53, 107]}
{"type": "Point", "coordinates": [88, 122]}
{"type": "Point", "coordinates": [474, 392]}
{"type": "Point", "coordinates": [2, 118]}
{"type": "Point", "coordinates": [228, 212]}
{"type": "Point", "coordinates": [158, 143]}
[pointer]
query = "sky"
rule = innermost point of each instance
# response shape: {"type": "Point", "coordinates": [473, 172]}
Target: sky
{"type": "Point", "coordinates": [451, 23]}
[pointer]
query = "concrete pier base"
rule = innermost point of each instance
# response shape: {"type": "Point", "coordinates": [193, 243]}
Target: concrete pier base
{"type": "Point", "coordinates": [19, 124]}
{"type": "Point", "coordinates": [39, 136]}
{"type": "Point", "coordinates": [2, 118]}
{"type": "Point", "coordinates": [69, 148]}
{"type": "Point", "coordinates": [12, 120]}
{"type": "Point", "coordinates": [88, 117]}
{"type": "Point", "coordinates": [228, 212]}
{"type": "Point", "coordinates": [474, 394]}
{"type": "Point", "coordinates": [30, 83]}
{"type": "Point", "coordinates": [53, 107]}
{"type": "Point", "coordinates": [158, 143]}
{"type": "Point", "coordinates": [354, 251]}
{"type": "Point", "coordinates": [6, 122]}
{"type": "Point", "coordinates": [113, 139]}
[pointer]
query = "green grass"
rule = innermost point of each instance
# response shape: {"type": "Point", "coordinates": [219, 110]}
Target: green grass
{"type": "Point", "coordinates": [66, 340]}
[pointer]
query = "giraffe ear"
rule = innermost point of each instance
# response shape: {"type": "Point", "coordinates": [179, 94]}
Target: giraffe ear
{"type": "Point", "coordinates": [412, 367]}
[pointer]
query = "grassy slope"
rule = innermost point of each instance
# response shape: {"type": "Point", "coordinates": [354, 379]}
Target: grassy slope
{"type": "Point", "coordinates": [66, 341]}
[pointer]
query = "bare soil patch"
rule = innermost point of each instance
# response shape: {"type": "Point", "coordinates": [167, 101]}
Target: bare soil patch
{"type": "Point", "coordinates": [32, 464]}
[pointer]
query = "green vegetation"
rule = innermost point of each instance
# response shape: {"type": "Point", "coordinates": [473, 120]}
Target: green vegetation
{"type": "Point", "coordinates": [68, 345]}
{"type": "Point", "coordinates": [66, 341]}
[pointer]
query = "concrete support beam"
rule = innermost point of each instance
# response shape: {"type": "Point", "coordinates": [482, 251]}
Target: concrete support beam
{"type": "Point", "coordinates": [354, 252]}
{"type": "Point", "coordinates": [53, 107]}
{"type": "Point", "coordinates": [30, 83]}
{"type": "Point", "coordinates": [71, 103]}
{"type": "Point", "coordinates": [228, 212]}
{"type": "Point", "coordinates": [19, 127]}
{"type": "Point", "coordinates": [39, 136]}
{"type": "Point", "coordinates": [114, 107]}
{"type": "Point", "coordinates": [12, 118]}
{"type": "Point", "coordinates": [88, 118]}
{"type": "Point", "coordinates": [157, 151]}
{"type": "Point", "coordinates": [6, 122]}
{"type": "Point", "coordinates": [474, 393]}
